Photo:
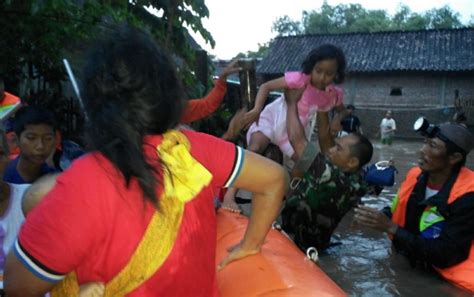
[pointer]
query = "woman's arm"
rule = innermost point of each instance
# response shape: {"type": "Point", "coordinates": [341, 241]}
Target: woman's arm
{"type": "Point", "coordinates": [197, 109]}
{"type": "Point", "coordinates": [21, 282]}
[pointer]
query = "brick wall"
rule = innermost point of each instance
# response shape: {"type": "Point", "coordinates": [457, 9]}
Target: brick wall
{"type": "Point", "coordinates": [422, 94]}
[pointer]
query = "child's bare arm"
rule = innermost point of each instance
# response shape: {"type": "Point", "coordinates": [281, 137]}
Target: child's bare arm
{"type": "Point", "coordinates": [35, 193]}
{"type": "Point", "coordinates": [262, 94]}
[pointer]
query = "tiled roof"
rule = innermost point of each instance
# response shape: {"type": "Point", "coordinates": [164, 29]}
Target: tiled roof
{"type": "Point", "coordinates": [426, 50]}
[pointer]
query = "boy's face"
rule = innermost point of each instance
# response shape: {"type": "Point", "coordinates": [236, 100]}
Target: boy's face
{"type": "Point", "coordinates": [37, 142]}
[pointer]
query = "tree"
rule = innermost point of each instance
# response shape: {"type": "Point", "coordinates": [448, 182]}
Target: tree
{"type": "Point", "coordinates": [443, 17]}
{"type": "Point", "coordinates": [36, 34]}
{"type": "Point", "coordinates": [286, 26]}
{"type": "Point", "coordinates": [345, 18]}
{"type": "Point", "coordinates": [260, 53]}
{"type": "Point", "coordinates": [470, 24]}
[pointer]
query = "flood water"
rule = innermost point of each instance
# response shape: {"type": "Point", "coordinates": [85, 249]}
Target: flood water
{"type": "Point", "coordinates": [364, 264]}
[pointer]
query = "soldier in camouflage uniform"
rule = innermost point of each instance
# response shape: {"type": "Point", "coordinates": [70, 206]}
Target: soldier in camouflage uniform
{"type": "Point", "coordinates": [326, 184]}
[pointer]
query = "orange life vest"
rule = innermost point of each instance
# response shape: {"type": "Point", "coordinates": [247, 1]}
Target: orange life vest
{"type": "Point", "coordinates": [9, 99]}
{"type": "Point", "coordinates": [461, 274]}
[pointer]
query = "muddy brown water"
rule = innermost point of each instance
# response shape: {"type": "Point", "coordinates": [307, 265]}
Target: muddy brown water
{"type": "Point", "coordinates": [364, 264]}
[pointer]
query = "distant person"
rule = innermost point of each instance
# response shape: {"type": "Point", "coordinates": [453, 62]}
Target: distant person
{"type": "Point", "coordinates": [350, 123]}
{"type": "Point", "coordinates": [460, 118]}
{"type": "Point", "coordinates": [431, 220]}
{"type": "Point", "coordinates": [11, 212]}
{"type": "Point", "coordinates": [326, 184]}
{"type": "Point", "coordinates": [8, 99]}
{"type": "Point", "coordinates": [35, 129]}
{"type": "Point", "coordinates": [387, 128]}
{"type": "Point", "coordinates": [322, 68]}
{"type": "Point", "coordinates": [197, 109]}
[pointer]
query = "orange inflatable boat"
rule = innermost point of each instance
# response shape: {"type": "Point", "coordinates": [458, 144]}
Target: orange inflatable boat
{"type": "Point", "coordinates": [281, 269]}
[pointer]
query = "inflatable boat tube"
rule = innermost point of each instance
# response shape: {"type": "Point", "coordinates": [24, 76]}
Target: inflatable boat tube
{"type": "Point", "coordinates": [281, 269]}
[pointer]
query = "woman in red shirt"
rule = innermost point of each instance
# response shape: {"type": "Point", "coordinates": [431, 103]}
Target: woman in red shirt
{"type": "Point", "coordinates": [137, 213]}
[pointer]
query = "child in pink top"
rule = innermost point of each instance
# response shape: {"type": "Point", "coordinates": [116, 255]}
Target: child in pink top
{"type": "Point", "coordinates": [272, 121]}
{"type": "Point", "coordinates": [322, 68]}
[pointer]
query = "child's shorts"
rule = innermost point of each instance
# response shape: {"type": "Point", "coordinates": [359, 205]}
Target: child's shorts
{"type": "Point", "coordinates": [272, 123]}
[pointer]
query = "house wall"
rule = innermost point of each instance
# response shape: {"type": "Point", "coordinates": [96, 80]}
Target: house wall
{"type": "Point", "coordinates": [429, 94]}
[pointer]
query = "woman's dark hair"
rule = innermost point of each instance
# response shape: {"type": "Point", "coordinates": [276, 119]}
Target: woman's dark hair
{"type": "Point", "coordinates": [130, 90]}
{"type": "Point", "coordinates": [326, 52]}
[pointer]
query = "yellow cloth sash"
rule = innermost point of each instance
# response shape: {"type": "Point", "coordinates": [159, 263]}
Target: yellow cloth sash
{"type": "Point", "coordinates": [183, 179]}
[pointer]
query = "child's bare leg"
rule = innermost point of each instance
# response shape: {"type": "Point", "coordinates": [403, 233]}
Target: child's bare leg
{"type": "Point", "coordinates": [94, 289]}
{"type": "Point", "coordinates": [258, 143]}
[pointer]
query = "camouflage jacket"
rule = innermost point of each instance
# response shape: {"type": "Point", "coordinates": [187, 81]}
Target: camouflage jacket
{"type": "Point", "coordinates": [318, 201]}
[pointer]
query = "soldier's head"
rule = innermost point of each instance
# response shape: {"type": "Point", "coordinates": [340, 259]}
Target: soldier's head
{"type": "Point", "coordinates": [351, 152]}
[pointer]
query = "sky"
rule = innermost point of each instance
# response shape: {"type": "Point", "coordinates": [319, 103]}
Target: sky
{"type": "Point", "coordinates": [240, 25]}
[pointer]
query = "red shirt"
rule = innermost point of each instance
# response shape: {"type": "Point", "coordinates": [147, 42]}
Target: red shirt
{"type": "Point", "coordinates": [91, 223]}
{"type": "Point", "coordinates": [197, 109]}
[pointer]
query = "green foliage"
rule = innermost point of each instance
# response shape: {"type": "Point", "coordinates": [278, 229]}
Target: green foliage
{"type": "Point", "coordinates": [260, 53]}
{"type": "Point", "coordinates": [470, 24]}
{"type": "Point", "coordinates": [345, 18]}
{"type": "Point", "coordinates": [286, 26]}
{"type": "Point", "coordinates": [37, 34]}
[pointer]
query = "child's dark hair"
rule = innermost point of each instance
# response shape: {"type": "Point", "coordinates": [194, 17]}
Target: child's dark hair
{"type": "Point", "coordinates": [130, 90]}
{"type": "Point", "coordinates": [32, 115]}
{"type": "Point", "coordinates": [326, 52]}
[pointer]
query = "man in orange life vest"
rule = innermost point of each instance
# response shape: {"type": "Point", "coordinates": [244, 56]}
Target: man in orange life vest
{"type": "Point", "coordinates": [9, 103]}
{"type": "Point", "coordinates": [432, 217]}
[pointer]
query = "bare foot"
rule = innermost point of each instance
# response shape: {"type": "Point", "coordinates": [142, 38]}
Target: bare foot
{"type": "Point", "coordinates": [95, 289]}
{"type": "Point", "coordinates": [229, 203]}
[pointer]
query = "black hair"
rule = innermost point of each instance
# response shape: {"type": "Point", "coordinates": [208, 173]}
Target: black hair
{"type": "Point", "coordinates": [274, 153]}
{"type": "Point", "coordinates": [32, 115]}
{"type": "Point", "coordinates": [350, 106]}
{"type": "Point", "coordinates": [6, 149]}
{"type": "Point", "coordinates": [130, 90]}
{"type": "Point", "coordinates": [451, 149]}
{"type": "Point", "coordinates": [326, 52]}
{"type": "Point", "coordinates": [362, 149]}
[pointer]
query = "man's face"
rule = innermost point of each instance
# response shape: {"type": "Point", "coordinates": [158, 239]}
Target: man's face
{"type": "Point", "coordinates": [37, 143]}
{"type": "Point", "coordinates": [340, 154]}
{"type": "Point", "coordinates": [388, 115]}
{"type": "Point", "coordinates": [433, 155]}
